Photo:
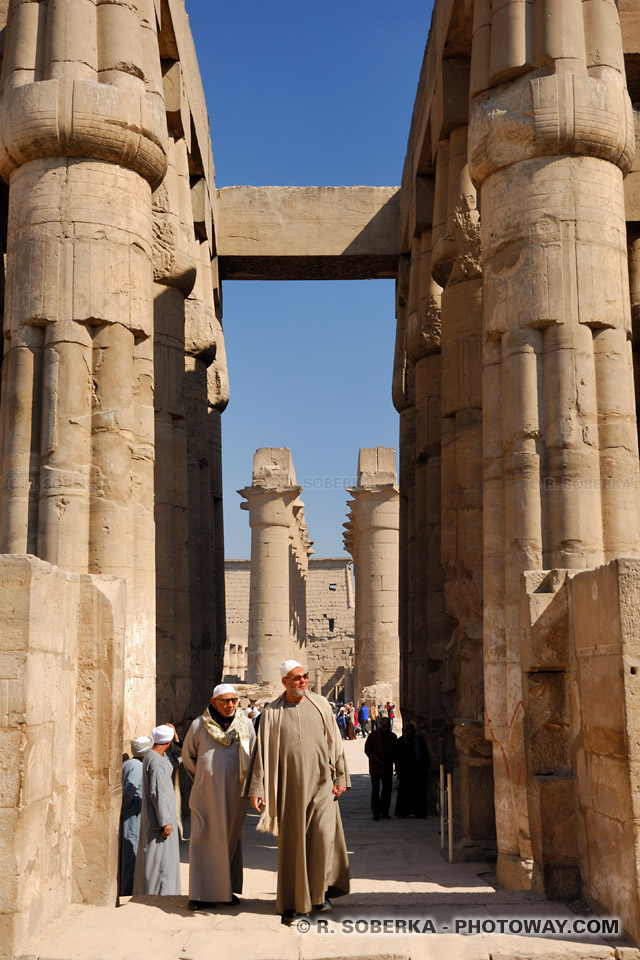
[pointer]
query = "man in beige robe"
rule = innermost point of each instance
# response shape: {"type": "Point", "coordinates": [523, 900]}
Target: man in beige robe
{"type": "Point", "coordinates": [215, 754]}
{"type": "Point", "coordinates": [298, 773]}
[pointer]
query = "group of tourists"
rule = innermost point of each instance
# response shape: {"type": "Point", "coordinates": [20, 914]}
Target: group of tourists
{"type": "Point", "coordinates": [352, 722]}
{"type": "Point", "coordinates": [293, 762]}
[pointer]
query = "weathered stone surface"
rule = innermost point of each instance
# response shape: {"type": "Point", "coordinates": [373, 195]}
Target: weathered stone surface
{"type": "Point", "coordinates": [372, 540]}
{"type": "Point", "coordinates": [279, 561]}
{"type": "Point", "coordinates": [307, 233]}
{"type": "Point", "coordinates": [61, 720]}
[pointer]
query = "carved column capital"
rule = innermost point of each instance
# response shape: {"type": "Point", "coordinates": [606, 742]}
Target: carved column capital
{"type": "Point", "coordinates": [82, 118]}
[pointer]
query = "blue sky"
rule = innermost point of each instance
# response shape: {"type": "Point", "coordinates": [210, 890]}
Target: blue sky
{"type": "Point", "coordinates": [308, 94]}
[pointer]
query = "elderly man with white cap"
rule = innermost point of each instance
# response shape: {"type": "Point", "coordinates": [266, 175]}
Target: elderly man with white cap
{"type": "Point", "coordinates": [215, 754]}
{"type": "Point", "coordinates": [158, 861]}
{"type": "Point", "coordinates": [298, 772]}
{"type": "Point", "coordinates": [130, 812]}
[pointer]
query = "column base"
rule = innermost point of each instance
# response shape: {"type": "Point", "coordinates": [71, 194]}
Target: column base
{"type": "Point", "coordinates": [514, 873]}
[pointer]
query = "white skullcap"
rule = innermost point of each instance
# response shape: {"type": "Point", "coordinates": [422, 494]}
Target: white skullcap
{"type": "Point", "coordinates": [163, 733]}
{"type": "Point", "coordinates": [140, 746]}
{"type": "Point", "coordinates": [223, 688]}
{"type": "Point", "coordinates": [288, 666]}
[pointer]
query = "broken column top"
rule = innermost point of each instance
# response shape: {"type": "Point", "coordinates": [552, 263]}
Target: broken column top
{"type": "Point", "coordinates": [273, 466]}
{"type": "Point", "coordinates": [376, 465]}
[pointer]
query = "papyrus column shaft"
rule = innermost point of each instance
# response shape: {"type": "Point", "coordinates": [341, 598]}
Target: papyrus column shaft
{"type": "Point", "coordinates": [556, 310]}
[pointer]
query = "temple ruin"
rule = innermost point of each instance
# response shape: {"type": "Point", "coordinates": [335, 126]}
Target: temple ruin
{"type": "Point", "coordinates": [329, 633]}
{"type": "Point", "coordinates": [515, 243]}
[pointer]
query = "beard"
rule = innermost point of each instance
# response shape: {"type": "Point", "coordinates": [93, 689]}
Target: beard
{"type": "Point", "coordinates": [299, 694]}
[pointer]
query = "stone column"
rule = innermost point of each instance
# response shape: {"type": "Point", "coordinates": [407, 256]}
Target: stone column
{"type": "Point", "coordinates": [551, 136]}
{"type": "Point", "coordinates": [455, 264]}
{"type": "Point", "coordinates": [83, 145]}
{"type": "Point", "coordinates": [430, 626]}
{"type": "Point", "coordinates": [403, 396]}
{"type": "Point", "coordinates": [206, 394]}
{"type": "Point", "coordinates": [175, 271]}
{"type": "Point", "coordinates": [372, 541]}
{"type": "Point", "coordinates": [271, 500]}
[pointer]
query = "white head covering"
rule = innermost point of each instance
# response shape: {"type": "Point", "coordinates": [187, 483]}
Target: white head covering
{"type": "Point", "coordinates": [223, 688]}
{"type": "Point", "coordinates": [163, 733]}
{"type": "Point", "coordinates": [288, 666]}
{"type": "Point", "coordinates": [141, 745]}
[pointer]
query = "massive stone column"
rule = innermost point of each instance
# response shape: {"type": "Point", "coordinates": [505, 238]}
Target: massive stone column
{"type": "Point", "coordinates": [83, 145]}
{"type": "Point", "coordinates": [430, 628]}
{"type": "Point", "coordinates": [273, 504]}
{"type": "Point", "coordinates": [206, 395]}
{"type": "Point", "coordinates": [372, 540]}
{"type": "Point", "coordinates": [455, 265]}
{"type": "Point", "coordinates": [403, 395]}
{"type": "Point", "coordinates": [551, 136]}
{"type": "Point", "coordinates": [175, 270]}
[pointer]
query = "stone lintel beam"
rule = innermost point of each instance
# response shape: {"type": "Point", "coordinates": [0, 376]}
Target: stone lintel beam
{"type": "Point", "coordinates": [308, 233]}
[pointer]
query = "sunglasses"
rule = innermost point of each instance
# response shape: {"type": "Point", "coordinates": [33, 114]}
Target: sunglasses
{"type": "Point", "coordinates": [302, 676]}
{"type": "Point", "coordinates": [227, 699]}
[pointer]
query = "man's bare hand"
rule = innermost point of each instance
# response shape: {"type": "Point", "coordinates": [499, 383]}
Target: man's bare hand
{"type": "Point", "coordinates": [338, 791]}
{"type": "Point", "coordinates": [256, 803]}
{"type": "Point", "coordinates": [167, 831]}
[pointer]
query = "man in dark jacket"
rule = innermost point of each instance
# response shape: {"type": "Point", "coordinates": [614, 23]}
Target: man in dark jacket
{"type": "Point", "coordinates": [379, 747]}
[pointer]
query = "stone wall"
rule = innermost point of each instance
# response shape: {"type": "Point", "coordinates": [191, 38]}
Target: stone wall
{"type": "Point", "coordinates": [237, 577]}
{"type": "Point", "coordinates": [328, 650]}
{"type": "Point", "coordinates": [61, 714]}
{"type": "Point", "coordinates": [580, 674]}
{"type": "Point", "coordinates": [330, 627]}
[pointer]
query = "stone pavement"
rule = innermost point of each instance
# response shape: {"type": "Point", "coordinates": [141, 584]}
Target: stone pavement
{"type": "Point", "coordinates": [397, 874]}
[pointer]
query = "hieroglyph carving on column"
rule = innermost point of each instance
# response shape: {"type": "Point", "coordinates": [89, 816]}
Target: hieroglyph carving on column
{"type": "Point", "coordinates": [551, 136]}
{"type": "Point", "coordinates": [82, 145]}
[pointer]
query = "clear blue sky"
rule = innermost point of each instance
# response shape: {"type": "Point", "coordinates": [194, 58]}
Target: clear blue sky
{"type": "Point", "coordinates": [308, 94]}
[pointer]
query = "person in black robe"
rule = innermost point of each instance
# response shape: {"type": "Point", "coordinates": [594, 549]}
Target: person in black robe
{"type": "Point", "coordinates": [412, 761]}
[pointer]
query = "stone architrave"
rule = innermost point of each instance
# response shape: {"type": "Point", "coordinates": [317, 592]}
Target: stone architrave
{"type": "Point", "coordinates": [83, 145]}
{"type": "Point", "coordinates": [276, 520]}
{"type": "Point", "coordinates": [372, 541]}
{"type": "Point", "coordinates": [551, 136]}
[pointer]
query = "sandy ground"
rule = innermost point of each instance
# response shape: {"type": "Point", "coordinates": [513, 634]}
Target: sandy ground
{"type": "Point", "coordinates": [398, 875]}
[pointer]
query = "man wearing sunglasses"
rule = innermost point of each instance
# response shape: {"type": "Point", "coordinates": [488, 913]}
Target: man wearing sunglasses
{"type": "Point", "coordinates": [298, 772]}
{"type": "Point", "coordinates": [215, 754]}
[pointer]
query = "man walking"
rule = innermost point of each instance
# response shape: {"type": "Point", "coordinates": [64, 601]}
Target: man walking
{"type": "Point", "coordinates": [379, 747]}
{"type": "Point", "coordinates": [215, 754]}
{"type": "Point", "coordinates": [298, 773]}
{"type": "Point", "coordinates": [158, 861]}
{"type": "Point", "coordinates": [363, 719]}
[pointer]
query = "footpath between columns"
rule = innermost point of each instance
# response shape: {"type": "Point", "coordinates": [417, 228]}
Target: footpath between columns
{"type": "Point", "coordinates": [397, 873]}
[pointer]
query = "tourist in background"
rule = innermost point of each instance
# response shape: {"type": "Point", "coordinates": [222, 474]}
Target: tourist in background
{"type": "Point", "coordinates": [363, 719]}
{"type": "Point", "coordinates": [379, 747]}
{"type": "Point", "coordinates": [341, 720]}
{"type": "Point", "coordinates": [374, 715]}
{"type": "Point", "coordinates": [391, 712]}
{"type": "Point", "coordinates": [412, 761]}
